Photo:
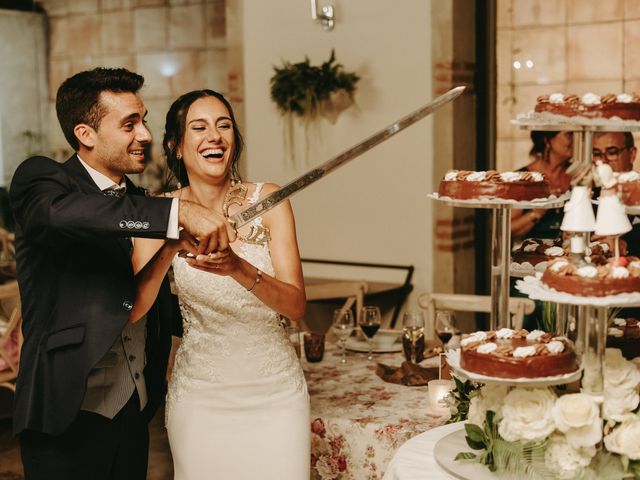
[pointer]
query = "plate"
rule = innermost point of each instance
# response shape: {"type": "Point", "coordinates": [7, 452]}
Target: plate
{"type": "Point", "coordinates": [536, 290]}
{"type": "Point", "coordinates": [494, 202]}
{"type": "Point", "coordinates": [446, 450]}
{"type": "Point", "coordinates": [453, 359]}
{"type": "Point", "coordinates": [357, 344]}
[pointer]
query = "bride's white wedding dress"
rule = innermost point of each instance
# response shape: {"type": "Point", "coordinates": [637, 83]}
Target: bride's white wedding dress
{"type": "Point", "coordinates": [237, 406]}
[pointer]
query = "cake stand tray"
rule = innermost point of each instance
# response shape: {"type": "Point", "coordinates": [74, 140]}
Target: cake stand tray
{"type": "Point", "coordinates": [493, 202]}
{"type": "Point", "coordinates": [549, 122]}
{"type": "Point", "coordinates": [446, 450]}
{"type": "Point", "coordinates": [453, 359]}
{"type": "Point", "coordinates": [536, 290]}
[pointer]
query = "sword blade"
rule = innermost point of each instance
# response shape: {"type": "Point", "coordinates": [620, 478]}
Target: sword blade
{"type": "Point", "coordinates": [267, 203]}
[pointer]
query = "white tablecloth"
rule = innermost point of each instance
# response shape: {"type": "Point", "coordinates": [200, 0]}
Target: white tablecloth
{"type": "Point", "coordinates": [414, 460]}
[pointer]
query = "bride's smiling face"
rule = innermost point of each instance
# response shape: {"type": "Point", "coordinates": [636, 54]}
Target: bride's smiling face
{"type": "Point", "coordinates": [207, 147]}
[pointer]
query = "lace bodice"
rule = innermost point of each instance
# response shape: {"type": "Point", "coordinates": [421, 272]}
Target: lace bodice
{"type": "Point", "coordinates": [229, 336]}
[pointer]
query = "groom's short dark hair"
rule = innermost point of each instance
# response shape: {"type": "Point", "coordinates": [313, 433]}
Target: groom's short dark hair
{"type": "Point", "coordinates": [78, 98]}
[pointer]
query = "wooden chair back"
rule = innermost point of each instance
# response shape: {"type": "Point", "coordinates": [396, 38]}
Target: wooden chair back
{"type": "Point", "coordinates": [352, 291]}
{"type": "Point", "coordinates": [518, 307]}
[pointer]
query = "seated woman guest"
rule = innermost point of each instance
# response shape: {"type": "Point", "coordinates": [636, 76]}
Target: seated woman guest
{"type": "Point", "coordinates": [550, 155]}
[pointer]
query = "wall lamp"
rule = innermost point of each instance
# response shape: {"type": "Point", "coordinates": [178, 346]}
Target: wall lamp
{"type": "Point", "coordinates": [325, 15]}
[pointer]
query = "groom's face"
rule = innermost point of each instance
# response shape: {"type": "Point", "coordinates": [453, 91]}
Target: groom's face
{"type": "Point", "coordinates": [122, 135]}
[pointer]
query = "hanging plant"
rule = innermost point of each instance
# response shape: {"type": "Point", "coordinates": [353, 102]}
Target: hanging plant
{"type": "Point", "coordinates": [304, 90]}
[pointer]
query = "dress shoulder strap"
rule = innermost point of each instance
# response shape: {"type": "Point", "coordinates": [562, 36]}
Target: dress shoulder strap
{"type": "Point", "coordinates": [256, 194]}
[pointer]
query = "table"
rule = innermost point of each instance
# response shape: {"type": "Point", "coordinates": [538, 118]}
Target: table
{"type": "Point", "coordinates": [415, 461]}
{"type": "Point", "coordinates": [357, 419]}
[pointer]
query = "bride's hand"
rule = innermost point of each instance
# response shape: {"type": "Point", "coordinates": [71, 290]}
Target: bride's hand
{"type": "Point", "coordinates": [225, 262]}
{"type": "Point", "coordinates": [186, 244]}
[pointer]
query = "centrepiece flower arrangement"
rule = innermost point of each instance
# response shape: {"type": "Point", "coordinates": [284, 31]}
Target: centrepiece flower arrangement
{"type": "Point", "coordinates": [548, 433]}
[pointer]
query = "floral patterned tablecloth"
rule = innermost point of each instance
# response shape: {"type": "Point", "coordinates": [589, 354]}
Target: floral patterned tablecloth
{"type": "Point", "coordinates": [358, 420]}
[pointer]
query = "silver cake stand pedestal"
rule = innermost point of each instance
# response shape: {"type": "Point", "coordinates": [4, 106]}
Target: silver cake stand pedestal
{"type": "Point", "coordinates": [501, 245]}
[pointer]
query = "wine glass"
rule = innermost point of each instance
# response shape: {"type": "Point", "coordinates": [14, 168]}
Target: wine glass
{"type": "Point", "coordinates": [445, 326]}
{"type": "Point", "coordinates": [342, 328]}
{"type": "Point", "coordinates": [370, 324]}
{"type": "Point", "coordinates": [413, 335]}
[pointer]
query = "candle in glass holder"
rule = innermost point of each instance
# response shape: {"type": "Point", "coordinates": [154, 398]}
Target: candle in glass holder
{"type": "Point", "coordinates": [438, 391]}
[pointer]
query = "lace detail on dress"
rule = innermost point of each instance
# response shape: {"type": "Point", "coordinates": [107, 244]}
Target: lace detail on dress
{"type": "Point", "coordinates": [258, 233]}
{"type": "Point", "coordinates": [230, 336]}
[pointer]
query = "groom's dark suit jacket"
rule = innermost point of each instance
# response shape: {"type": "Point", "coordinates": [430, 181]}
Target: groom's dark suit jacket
{"type": "Point", "coordinates": [77, 287]}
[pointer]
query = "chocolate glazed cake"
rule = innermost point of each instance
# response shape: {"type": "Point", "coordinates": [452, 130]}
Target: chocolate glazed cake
{"type": "Point", "coordinates": [522, 186]}
{"type": "Point", "coordinates": [592, 280]}
{"type": "Point", "coordinates": [517, 354]}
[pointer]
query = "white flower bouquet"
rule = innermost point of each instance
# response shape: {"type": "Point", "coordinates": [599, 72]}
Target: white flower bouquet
{"type": "Point", "coordinates": [541, 433]}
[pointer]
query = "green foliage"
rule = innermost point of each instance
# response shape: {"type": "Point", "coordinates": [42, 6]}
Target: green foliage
{"type": "Point", "coordinates": [548, 316]}
{"type": "Point", "coordinates": [461, 396]}
{"type": "Point", "coordinates": [299, 87]}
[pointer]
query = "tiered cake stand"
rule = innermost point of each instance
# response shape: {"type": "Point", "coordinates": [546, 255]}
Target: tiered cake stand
{"type": "Point", "coordinates": [501, 246]}
{"type": "Point", "coordinates": [591, 311]}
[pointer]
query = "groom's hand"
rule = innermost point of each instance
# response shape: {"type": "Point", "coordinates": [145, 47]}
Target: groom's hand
{"type": "Point", "coordinates": [211, 229]}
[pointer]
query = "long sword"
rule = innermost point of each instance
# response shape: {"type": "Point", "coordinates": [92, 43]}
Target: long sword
{"type": "Point", "coordinates": [267, 203]}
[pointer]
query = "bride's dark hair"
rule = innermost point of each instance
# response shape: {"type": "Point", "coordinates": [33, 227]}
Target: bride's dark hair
{"type": "Point", "coordinates": [174, 129]}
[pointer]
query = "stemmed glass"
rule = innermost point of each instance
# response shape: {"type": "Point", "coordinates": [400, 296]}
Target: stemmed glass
{"type": "Point", "coordinates": [342, 328]}
{"type": "Point", "coordinates": [445, 326]}
{"type": "Point", "coordinates": [413, 336]}
{"type": "Point", "coordinates": [370, 324]}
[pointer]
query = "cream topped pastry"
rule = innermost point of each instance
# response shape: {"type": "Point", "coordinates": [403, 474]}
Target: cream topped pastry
{"type": "Point", "coordinates": [521, 352]}
{"type": "Point", "coordinates": [554, 347]}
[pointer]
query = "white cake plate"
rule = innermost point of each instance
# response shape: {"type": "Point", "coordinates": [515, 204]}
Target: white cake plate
{"type": "Point", "coordinates": [453, 359]}
{"type": "Point", "coordinates": [449, 446]}
{"type": "Point", "coordinates": [546, 121]}
{"type": "Point", "coordinates": [493, 202]}
{"type": "Point", "coordinates": [536, 290]}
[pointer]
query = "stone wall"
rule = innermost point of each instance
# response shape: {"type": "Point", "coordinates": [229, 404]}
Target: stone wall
{"type": "Point", "coordinates": [570, 46]}
{"type": "Point", "coordinates": [178, 45]}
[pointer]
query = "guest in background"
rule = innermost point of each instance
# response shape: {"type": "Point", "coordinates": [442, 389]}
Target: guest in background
{"type": "Point", "coordinates": [550, 155]}
{"type": "Point", "coordinates": [617, 149]}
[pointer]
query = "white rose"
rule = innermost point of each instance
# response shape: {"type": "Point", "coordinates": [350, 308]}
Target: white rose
{"type": "Point", "coordinates": [578, 417]}
{"type": "Point", "coordinates": [619, 373]}
{"type": "Point", "coordinates": [617, 405]}
{"type": "Point", "coordinates": [564, 460]}
{"type": "Point", "coordinates": [625, 439]}
{"type": "Point", "coordinates": [489, 398]}
{"type": "Point", "coordinates": [526, 414]}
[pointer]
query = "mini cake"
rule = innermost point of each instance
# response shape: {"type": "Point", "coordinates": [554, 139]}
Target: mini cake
{"type": "Point", "coordinates": [590, 105]}
{"type": "Point", "coordinates": [508, 353]}
{"type": "Point", "coordinates": [464, 184]}
{"type": "Point", "coordinates": [594, 280]}
{"type": "Point", "coordinates": [538, 250]}
{"type": "Point", "coordinates": [629, 187]}
{"type": "Point", "coordinates": [625, 335]}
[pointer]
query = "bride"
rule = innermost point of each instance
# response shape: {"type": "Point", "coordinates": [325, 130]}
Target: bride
{"type": "Point", "coordinates": [237, 406]}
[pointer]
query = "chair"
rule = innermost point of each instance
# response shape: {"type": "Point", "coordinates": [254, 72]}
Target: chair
{"type": "Point", "coordinates": [10, 300]}
{"type": "Point", "coordinates": [431, 302]}
{"type": "Point", "coordinates": [353, 291]}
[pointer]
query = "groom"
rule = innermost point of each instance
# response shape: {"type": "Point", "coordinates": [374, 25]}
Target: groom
{"type": "Point", "coordinates": [89, 380]}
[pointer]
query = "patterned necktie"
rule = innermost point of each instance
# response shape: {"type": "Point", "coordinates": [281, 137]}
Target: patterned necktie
{"type": "Point", "coordinates": [114, 191]}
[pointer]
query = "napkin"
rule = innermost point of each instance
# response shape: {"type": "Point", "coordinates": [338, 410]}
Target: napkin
{"type": "Point", "coordinates": [408, 374]}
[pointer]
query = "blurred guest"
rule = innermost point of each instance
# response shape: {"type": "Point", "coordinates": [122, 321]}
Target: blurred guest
{"type": "Point", "coordinates": [550, 155]}
{"type": "Point", "coordinates": [617, 149]}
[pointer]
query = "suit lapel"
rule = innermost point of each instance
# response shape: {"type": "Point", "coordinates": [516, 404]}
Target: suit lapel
{"type": "Point", "coordinates": [87, 185]}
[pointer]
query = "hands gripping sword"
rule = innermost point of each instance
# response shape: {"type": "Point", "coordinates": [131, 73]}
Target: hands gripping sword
{"type": "Point", "coordinates": [267, 203]}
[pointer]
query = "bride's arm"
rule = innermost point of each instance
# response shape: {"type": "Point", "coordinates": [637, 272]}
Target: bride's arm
{"type": "Point", "coordinates": [151, 260]}
{"type": "Point", "coordinates": [284, 292]}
